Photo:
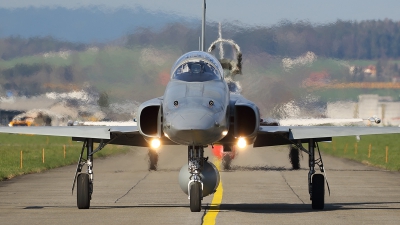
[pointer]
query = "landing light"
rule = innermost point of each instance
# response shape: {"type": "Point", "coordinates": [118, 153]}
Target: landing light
{"type": "Point", "coordinates": [155, 143]}
{"type": "Point", "coordinates": [225, 132]}
{"type": "Point", "coordinates": [241, 142]}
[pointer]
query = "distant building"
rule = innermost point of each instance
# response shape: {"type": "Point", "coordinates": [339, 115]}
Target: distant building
{"type": "Point", "coordinates": [370, 70]}
{"type": "Point", "coordinates": [367, 106]}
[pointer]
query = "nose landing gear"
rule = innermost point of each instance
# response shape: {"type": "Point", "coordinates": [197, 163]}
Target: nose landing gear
{"type": "Point", "coordinates": [196, 195]}
{"type": "Point", "coordinates": [195, 185]}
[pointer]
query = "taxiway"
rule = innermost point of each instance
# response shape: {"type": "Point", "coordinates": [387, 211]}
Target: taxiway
{"type": "Point", "coordinates": [261, 188]}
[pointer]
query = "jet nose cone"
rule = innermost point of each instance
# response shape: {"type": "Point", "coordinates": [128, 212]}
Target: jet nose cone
{"type": "Point", "coordinates": [194, 119]}
{"type": "Point", "coordinates": [193, 126]}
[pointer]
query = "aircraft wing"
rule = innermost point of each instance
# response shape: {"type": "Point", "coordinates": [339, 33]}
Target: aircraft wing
{"type": "Point", "coordinates": [118, 135]}
{"type": "Point", "coordinates": [99, 132]}
{"type": "Point", "coordinates": [281, 135]}
{"type": "Point", "coordinates": [114, 134]}
{"type": "Point", "coordinates": [318, 121]}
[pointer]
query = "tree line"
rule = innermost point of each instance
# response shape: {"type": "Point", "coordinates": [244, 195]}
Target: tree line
{"type": "Point", "coordinates": [16, 46]}
{"type": "Point", "coordinates": [373, 39]}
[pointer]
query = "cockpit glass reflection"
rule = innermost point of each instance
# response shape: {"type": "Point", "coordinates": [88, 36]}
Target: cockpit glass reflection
{"type": "Point", "coordinates": [196, 71]}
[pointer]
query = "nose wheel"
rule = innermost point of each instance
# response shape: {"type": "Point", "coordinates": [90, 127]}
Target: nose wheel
{"type": "Point", "coordinates": [195, 185]}
{"type": "Point", "coordinates": [195, 197]}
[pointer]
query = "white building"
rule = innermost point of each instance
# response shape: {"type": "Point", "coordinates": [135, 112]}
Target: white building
{"type": "Point", "coordinates": [366, 107]}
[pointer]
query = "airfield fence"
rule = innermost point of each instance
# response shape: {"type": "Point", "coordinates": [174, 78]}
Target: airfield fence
{"type": "Point", "coordinates": [23, 154]}
{"type": "Point", "coordinates": [369, 149]}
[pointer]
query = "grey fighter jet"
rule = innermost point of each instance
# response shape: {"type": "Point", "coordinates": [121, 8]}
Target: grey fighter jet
{"type": "Point", "coordinates": [198, 110]}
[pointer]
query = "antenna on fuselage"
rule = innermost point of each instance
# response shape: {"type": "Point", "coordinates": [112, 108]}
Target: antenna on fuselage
{"type": "Point", "coordinates": [203, 27]}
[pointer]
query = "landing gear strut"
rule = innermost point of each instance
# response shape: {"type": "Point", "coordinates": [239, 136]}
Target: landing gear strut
{"type": "Point", "coordinates": [316, 182]}
{"type": "Point", "coordinates": [85, 180]}
{"type": "Point", "coordinates": [195, 185]}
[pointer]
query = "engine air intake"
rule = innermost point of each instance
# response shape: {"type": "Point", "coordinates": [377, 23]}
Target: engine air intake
{"type": "Point", "coordinates": [149, 120]}
{"type": "Point", "coordinates": [245, 121]}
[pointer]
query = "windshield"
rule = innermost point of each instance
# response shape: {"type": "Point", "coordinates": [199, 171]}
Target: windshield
{"type": "Point", "coordinates": [196, 71]}
{"type": "Point", "coordinates": [196, 67]}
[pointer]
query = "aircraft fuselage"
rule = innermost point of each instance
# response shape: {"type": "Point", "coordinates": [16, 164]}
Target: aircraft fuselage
{"type": "Point", "coordinates": [197, 108]}
{"type": "Point", "coordinates": [196, 101]}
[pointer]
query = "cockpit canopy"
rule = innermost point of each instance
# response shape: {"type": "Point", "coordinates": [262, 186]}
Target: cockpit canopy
{"type": "Point", "coordinates": [197, 67]}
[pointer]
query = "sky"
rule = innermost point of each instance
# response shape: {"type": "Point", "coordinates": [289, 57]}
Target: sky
{"type": "Point", "coordinates": [251, 12]}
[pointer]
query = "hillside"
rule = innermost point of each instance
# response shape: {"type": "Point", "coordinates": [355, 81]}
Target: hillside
{"type": "Point", "coordinates": [137, 67]}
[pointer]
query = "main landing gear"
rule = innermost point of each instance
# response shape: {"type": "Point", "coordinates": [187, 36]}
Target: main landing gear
{"type": "Point", "coordinates": [294, 157]}
{"type": "Point", "coordinates": [153, 159]}
{"type": "Point", "coordinates": [316, 182]}
{"type": "Point", "coordinates": [227, 157]}
{"type": "Point", "coordinates": [84, 181]}
{"type": "Point", "coordinates": [195, 185]}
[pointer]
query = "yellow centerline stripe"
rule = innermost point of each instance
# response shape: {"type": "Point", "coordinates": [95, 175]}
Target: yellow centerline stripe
{"type": "Point", "coordinates": [211, 215]}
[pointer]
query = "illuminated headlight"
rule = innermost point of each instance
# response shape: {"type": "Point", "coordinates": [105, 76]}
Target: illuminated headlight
{"type": "Point", "coordinates": [155, 143]}
{"type": "Point", "coordinates": [241, 142]}
{"type": "Point", "coordinates": [225, 132]}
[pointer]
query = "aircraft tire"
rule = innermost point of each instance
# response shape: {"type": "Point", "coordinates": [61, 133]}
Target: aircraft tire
{"type": "Point", "coordinates": [83, 189]}
{"type": "Point", "coordinates": [153, 159]}
{"type": "Point", "coordinates": [195, 197]}
{"type": "Point", "coordinates": [318, 191]}
{"type": "Point", "coordinates": [294, 157]}
{"type": "Point", "coordinates": [226, 161]}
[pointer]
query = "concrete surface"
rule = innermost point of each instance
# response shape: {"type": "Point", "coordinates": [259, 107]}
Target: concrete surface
{"type": "Point", "coordinates": [260, 189]}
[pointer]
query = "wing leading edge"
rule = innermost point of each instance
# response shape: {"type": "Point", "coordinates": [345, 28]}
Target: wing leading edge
{"type": "Point", "coordinates": [100, 132]}
{"type": "Point", "coordinates": [79, 133]}
{"type": "Point", "coordinates": [281, 135]}
{"type": "Point", "coordinates": [267, 135]}
{"type": "Point", "coordinates": [72, 131]}
{"type": "Point", "coordinates": [118, 135]}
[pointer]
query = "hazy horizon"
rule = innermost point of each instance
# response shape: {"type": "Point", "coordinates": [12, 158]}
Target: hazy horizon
{"type": "Point", "coordinates": [250, 12]}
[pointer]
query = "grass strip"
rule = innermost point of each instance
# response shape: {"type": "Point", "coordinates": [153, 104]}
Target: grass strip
{"type": "Point", "coordinates": [32, 147]}
{"type": "Point", "coordinates": [370, 150]}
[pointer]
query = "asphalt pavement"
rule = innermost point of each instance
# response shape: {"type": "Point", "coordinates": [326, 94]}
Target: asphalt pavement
{"type": "Point", "coordinates": [259, 189]}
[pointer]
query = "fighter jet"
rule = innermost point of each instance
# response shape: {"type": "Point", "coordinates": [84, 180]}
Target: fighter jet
{"type": "Point", "coordinates": [198, 110]}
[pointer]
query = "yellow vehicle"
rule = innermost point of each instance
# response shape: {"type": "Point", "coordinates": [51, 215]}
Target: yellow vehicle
{"type": "Point", "coordinates": [25, 122]}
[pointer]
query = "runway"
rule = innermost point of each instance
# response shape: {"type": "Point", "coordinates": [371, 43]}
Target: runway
{"type": "Point", "coordinates": [260, 189]}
